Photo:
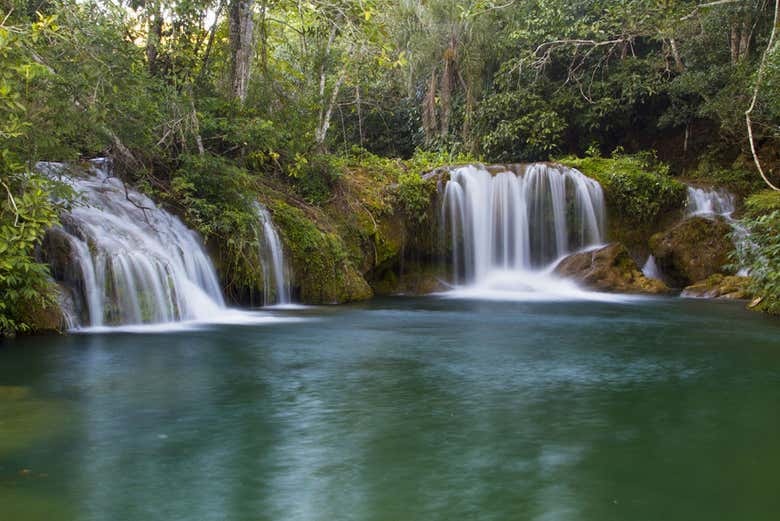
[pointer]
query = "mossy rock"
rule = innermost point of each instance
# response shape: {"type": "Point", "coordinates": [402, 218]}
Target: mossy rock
{"type": "Point", "coordinates": [415, 279]}
{"type": "Point", "coordinates": [323, 271]}
{"type": "Point", "coordinates": [720, 286]}
{"type": "Point", "coordinates": [609, 269]}
{"type": "Point", "coordinates": [693, 250]}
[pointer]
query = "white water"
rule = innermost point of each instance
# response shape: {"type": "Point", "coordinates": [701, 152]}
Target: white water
{"type": "Point", "coordinates": [276, 286]}
{"type": "Point", "coordinates": [650, 269]}
{"type": "Point", "coordinates": [136, 263]}
{"type": "Point", "coordinates": [709, 202]}
{"type": "Point", "coordinates": [507, 230]}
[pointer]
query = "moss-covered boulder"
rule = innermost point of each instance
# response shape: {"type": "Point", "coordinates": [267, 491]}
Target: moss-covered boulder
{"type": "Point", "coordinates": [692, 250]}
{"type": "Point", "coordinates": [720, 286]}
{"type": "Point", "coordinates": [609, 269]}
{"type": "Point", "coordinates": [323, 271]}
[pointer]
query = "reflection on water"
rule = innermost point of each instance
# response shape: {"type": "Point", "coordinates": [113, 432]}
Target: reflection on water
{"type": "Point", "coordinates": [413, 409]}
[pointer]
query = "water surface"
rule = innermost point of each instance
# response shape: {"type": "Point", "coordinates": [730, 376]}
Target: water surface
{"type": "Point", "coordinates": [402, 409]}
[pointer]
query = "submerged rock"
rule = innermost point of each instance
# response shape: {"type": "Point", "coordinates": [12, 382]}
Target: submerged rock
{"type": "Point", "coordinates": [720, 286]}
{"type": "Point", "coordinates": [610, 269]}
{"type": "Point", "coordinates": [692, 250]}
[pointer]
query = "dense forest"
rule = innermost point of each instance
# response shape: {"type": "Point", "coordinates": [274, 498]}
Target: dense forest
{"type": "Point", "coordinates": [329, 111]}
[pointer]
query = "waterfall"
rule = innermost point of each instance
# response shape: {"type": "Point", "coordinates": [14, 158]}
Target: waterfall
{"type": "Point", "coordinates": [134, 262]}
{"type": "Point", "coordinates": [276, 287]}
{"type": "Point", "coordinates": [650, 269]}
{"type": "Point", "coordinates": [709, 202]}
{"type": "Point", "coordinates": [519, 221]}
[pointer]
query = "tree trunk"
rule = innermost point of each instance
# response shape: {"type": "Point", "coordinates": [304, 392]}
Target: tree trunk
{"type": "Point", "coordinates": [678, 63]}
{"type": "Point", "coordinates": [734, 43]}
{"type": "Point", "coordinates": [155, 26]}
{"type": "Point", "coordinates": [447, 80]}
{"type": "Point", "coordinates": [241, 47]}
{"type": "Point", "coordinates": [744, 37]}
{"type": "Point", "coordinates": [429, 108]}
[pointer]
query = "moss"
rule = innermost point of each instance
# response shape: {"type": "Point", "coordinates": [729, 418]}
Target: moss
{"type": "Point", "coordinates": [693, 250]}
{"type": "Point", "coordinates": [323, 270]}
{"type": "Point", "coordinates": [721, 286]}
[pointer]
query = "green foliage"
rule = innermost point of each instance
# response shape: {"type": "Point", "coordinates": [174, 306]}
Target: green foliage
{"type": "Point", "coordinates": [638, 189]}
{"type": "Point", "coordinates": [737, 178]}
{"type": "Point", "coordinates": [761, 203]}
{"type": "Point", "coordinates": [518, 126]}
{"type": "Point", "coordinates": [761, 254]}
{"type": "Point", "coordinates": [414, 196]}
{"type": "Point", "coordinates": [26, 211]}
{"type": "Point", "coordinates": [314, 176]}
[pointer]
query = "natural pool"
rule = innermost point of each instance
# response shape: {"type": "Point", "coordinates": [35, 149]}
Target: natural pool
{"type": "Point", "coordinates": [402, 409]}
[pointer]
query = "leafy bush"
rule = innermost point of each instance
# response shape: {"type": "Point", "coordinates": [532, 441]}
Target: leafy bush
{"type": "Point", "coordinates": [27, 209]}
{"type": "Point", "coordinates": [518, 125]}
{"type": "Point", "coordinates": [638, 189]}
{"type": "Point", "coordinates": [762, 202]}
{"type": "Point", "coordinates": [414, 195]}
{"type": "Point", "coordinates": [761, 254]}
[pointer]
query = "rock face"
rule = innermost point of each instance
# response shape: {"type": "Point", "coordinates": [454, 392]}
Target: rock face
{"type": "Point", "coordinates": [720, 286]}
{"type": "Point", "coordinates": [610, 269]}
{"type": "Point", "coordinates": [692, 250]}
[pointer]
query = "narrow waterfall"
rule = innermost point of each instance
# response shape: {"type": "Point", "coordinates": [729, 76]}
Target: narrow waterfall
{"type": "Point", "coordinates": [130, 262]}
{"type": "Point", "coordinates": [519, 221]}
{"type": "Point", "coordinates": [709, 202]}
{"type": "Point", "coordinates": [276, 286]}
{"type": "Point", "coordinates": [650, 269]}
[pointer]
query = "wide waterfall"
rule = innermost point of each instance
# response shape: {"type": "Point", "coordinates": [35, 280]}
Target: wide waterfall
{"type": "Point", "coordinates": [519, 221]}
{"type": "Point", "coordinates": [709, 202]}
{"type": "Point", "coordinates": [276, 286]}
{"type": "Point", "coordinates": [129, 261]}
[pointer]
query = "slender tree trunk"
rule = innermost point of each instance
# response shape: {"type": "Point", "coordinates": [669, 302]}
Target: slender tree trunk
{"type": "Point", "coordinates": [744, 37]}
{"type": "Point", "coordinates": [241, 47]}
{"type": "Point", "coordinates": [447, 80]}
{"type": "Point", "coordinates": [759, 76]}
{"type": "Point", "coordinates": [210, 43]}
{"type": "Point", "coordinates": [678, 63]}
{"type": "Point", "coordinates": [153, 39]}
{"type": "Point", "coordinates": [359, 113]}
{"type": "Point", "coordinates": [322, 131]}
{"type": "Point", "coordinates": [734, 43]}
{"type": "Point", "coordinates": [429, 108]}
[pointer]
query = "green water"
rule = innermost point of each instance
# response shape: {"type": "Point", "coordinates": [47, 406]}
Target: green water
{"type": "Point", "coordinates": [403, 409]}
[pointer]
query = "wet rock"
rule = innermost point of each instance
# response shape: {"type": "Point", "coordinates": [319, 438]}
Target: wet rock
{"type": "Point", "coordinates": [692, 250]}
{"type": "Point", "coordinates": [609, 269]}
{"type": "Point", "coordinates": [720, 286]}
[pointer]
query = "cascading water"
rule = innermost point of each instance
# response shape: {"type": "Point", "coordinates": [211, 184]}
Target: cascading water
{"type": "Point", "coordinates": [133, 262]}
{"type": "Point", "coordinates": [709, 202]}
{"type": "Point", "coordinates": [276, 286]}
{"type": "Point", "coordinates": [519, 222]}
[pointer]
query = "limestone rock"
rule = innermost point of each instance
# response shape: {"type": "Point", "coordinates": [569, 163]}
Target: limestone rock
{"type": "Point", "coordinates": [609, 269]}
{"type": "Point", "coordinates": [720, 286]}
{"type": "Point", "coordinates": [692, 250]}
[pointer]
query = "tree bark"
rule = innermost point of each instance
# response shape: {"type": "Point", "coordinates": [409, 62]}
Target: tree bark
{"type": "Point", "coordinates": [241, 47]}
